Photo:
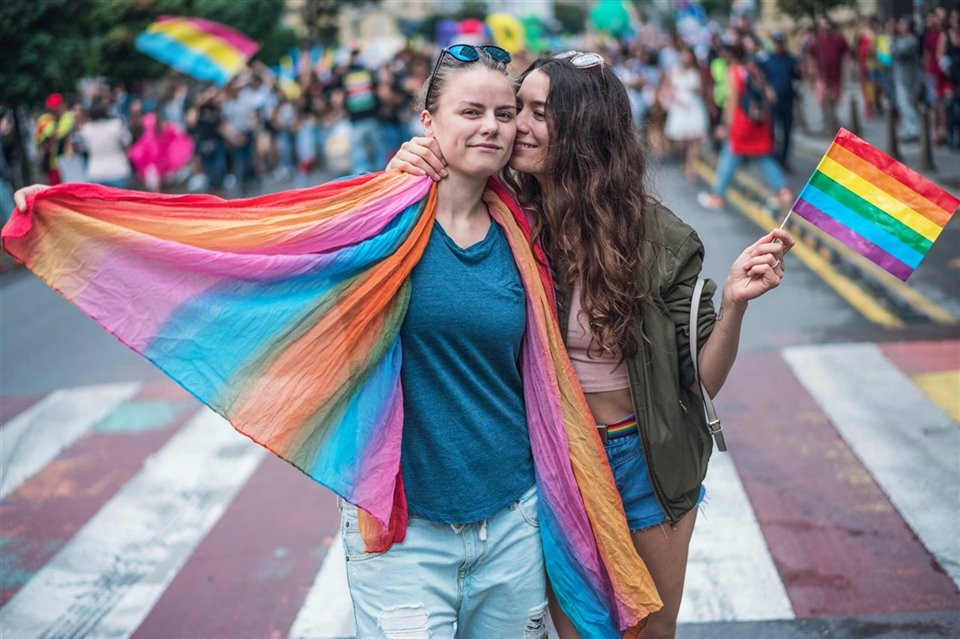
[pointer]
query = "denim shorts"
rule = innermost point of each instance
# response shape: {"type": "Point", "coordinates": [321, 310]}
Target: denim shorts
{"type": "Point", "coordinates": [469, 581]}
{"type": "Point", "coordinates": [632, 476]}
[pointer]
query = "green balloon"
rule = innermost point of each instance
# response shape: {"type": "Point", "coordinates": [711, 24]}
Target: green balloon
{"type": "Point", "coordinates": [534, 30]}
{"type": "Point", "coordinates": [611, 17]}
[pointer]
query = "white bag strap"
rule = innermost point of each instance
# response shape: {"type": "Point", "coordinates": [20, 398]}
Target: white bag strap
{"type": "Point", "coordinates": [713, 422]}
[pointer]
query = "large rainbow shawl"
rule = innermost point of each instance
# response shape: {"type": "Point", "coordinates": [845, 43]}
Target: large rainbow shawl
{"type": "Point", "coordinates": [282, 313]}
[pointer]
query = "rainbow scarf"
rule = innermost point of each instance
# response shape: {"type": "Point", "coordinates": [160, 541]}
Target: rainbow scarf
{"type": "Point", "coordinates": [282, 313]}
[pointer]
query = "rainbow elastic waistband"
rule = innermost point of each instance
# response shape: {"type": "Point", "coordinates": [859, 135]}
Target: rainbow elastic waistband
{"type": "Point", "coordinates": [625, 426]}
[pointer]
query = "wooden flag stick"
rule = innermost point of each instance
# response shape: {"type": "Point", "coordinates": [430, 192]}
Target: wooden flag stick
{"type": "Point", "coordinates": [785, 218]}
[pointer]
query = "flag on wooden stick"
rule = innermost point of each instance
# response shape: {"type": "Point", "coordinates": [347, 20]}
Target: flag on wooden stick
{"type": "Point", "coordinates": [877, 206]}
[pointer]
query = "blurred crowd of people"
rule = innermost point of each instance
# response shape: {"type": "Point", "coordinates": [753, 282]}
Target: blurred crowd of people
{"type": "Point", "coordinates": [728, 88]}
{"type": "Point", "coordinates": [900, 65]}
{"type": "Point", "coordinates": [183, 135]}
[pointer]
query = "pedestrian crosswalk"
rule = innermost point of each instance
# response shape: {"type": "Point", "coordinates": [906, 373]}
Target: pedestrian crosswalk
{"type": "Point", "coordinates": [35, 437]}
{"type": "Point", "coordinates": [129, 511]}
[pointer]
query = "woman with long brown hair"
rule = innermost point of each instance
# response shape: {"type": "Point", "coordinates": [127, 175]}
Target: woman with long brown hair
{"type": "Point", "coordinates": [626, 269]}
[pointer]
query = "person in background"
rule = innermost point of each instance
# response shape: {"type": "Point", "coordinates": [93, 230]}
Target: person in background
{"type": "Point", "coordinates": [393, 101]}
{"type": "Point", "coordinates": [359, 87]}
{"type": "Point", "coordinates": [907, 79]}
{"type": "Point", "coordinates": [885, 66]}
{"type": "Point", "coordinates": [53, 135]}
{"type": "Point", "coordinates": [866, 63]}
{"type": "Point", "coordinates": [241, 113]}
{"type": "Point", "coordinates": [283, 120]}
{"type": "Point", "coordinates": [264, 102]}
{"type": "Point", "coordinates": [935, 80]}
{"type": "Point", "coordinates": [948, 56]}
{"type": "Point", "coordinates": [670, 51]}
{"type": "Point", "coordinates": [782, 69]}
{"type": "Point", "coordinates": [831, 51]}
{"type": "Point", "coordinates": [72, 163]}
{"type": "Point", "coordinates": [719, 72]}
{"type": "Point", "coordinates": [134, 117]}
{"type": "Point", "coordinates": [627, 69]}
{"type": "Point", "coordinates": [162, 150]}
{"type": "Point", "coordinates": [748, 130]}
{"type": "Point", "coordinates": [206, 122]}
{"type": "Point", "coordinates": [173, 107]}
{"type": "Point", "coordinates": [812, 88]}
{"type": "Point", "coordinates": [654, 114]}
{"type": "Point", "coordinates": [305, 139]}
{"type": "Point", "coordinates": [106, 139]}
{"type": "Point", "coordinates": [686, 123]}
{"type": "Point", "coordinates": [412, 83]}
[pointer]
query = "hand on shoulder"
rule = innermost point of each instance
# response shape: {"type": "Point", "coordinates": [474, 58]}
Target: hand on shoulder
{"type": "Point", "coordinates": [420, 156]}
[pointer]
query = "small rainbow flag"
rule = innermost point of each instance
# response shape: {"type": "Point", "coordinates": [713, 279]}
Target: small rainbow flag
{"type": "Point", "coordinates": [883, 210]}
{"type": "Point", "coordinates": [203, 49]}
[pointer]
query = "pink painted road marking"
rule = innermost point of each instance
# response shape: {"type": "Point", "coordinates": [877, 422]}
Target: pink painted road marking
{"type": "Point", "coordinates": [41, 516]}
{"type": "Point", "coordinates": [917, 358]}
{"type": "Point", "coordinates": [251, 573]}
{"type": "Point", "coordinates": [13, 405]}
{"type": "Point", "coordinates": [840, 546]}
{"type": "Point", "coordinates": [166, 390]}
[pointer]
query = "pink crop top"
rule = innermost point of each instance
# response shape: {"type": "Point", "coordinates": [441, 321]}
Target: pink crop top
{"type": "Point", "coordinates": [598, 372]}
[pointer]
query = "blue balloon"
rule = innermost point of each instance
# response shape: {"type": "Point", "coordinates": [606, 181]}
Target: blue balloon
{"type": "Point", "coordinates": [447, 32]}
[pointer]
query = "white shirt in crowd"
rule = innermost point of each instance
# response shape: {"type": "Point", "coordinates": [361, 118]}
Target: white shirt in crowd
{"type": "Point", "coordinates": [106, 143]}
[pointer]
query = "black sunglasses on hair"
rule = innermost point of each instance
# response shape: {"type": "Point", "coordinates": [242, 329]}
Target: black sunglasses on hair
{"type": "Point", "coordinates": [468, 53]}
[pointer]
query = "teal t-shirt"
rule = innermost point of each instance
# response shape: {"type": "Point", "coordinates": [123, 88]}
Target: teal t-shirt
{"type": "Point", "coordinates": [466, 451]}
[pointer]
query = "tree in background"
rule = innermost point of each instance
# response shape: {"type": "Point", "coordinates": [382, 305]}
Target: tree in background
{"type": "Point", "coordinates": [322, 17]}
{"type": "Point", "coordinates": [718, 8]}
{"type": "Point", "coordinates": [571, 16]}
{"type": "Point", "coordinates": [50, 44]}
{"type": "Point", "coordinates": [46, 46]}
{"type": "Point", "coordinates": [59, 41]}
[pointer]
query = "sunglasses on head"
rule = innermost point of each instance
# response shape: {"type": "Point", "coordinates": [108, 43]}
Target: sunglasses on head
{"type": "Point", "coordinates": [468, 53]}
{"type": "Point", "coordinates": [581, 59]}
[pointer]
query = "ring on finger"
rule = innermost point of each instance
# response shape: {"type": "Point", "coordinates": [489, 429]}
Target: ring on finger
{"type": "Point", "coordinates": [776, 264]}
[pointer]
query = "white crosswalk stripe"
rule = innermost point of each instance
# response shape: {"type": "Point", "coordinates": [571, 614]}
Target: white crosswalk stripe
{"type": "Point", "coordinates": [327, 612]}
{"type": "Point", "coordinates": [32, 439]}
{"type": "Point", "coordinates": [730, 574]}
{"type": "Point", "coordinates": [909, 445]}
{"type": "Point", "coordinates": [105, 581]}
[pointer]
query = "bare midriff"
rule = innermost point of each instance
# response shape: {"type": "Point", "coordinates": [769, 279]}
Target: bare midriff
{"type": "Point", "coordinates": [609, 407]}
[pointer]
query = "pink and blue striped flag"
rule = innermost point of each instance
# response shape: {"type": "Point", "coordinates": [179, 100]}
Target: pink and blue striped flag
{"type": "Point", "coordinates": [202, 49]}
{"type": "Point", "coordinates": [880, 208]}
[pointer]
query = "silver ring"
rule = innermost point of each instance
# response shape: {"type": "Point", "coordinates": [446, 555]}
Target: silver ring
{"type": "Point", "coordinates": [776, 264]}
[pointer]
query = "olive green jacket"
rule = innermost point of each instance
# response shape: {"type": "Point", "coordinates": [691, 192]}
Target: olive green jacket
{"type": "Point", "coordinates": [673, 430]}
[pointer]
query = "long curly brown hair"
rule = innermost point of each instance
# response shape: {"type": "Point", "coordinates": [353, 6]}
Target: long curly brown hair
{"type": "Point", "coordinates": [589, 211]}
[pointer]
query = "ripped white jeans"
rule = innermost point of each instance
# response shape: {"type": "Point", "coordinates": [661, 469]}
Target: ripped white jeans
{"type": "Point", "coordinates": [469, 581]}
